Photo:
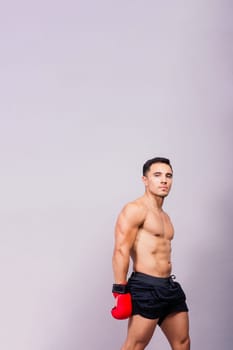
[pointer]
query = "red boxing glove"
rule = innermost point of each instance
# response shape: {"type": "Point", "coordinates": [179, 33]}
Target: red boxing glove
{"type": "Point", "coordinates": [123, 307]}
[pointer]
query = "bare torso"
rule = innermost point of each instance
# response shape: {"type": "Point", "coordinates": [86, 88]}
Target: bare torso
{"type": "Point", "coordinates": [151, 251]}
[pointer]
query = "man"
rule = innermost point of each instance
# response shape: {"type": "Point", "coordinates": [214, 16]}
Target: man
{"type": "Point", "coordinates": [150, 297]}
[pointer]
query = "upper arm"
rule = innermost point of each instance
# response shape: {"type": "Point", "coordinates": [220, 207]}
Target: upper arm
{"type": "Point", "coordinates": [127, 225]}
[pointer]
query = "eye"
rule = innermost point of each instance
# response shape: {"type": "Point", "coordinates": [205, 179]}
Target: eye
{"type": "Point", "coordinates": [169, 176]}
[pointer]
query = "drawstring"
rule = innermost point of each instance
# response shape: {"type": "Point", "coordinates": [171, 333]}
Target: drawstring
{"type": "Point", "coordinates": [171, 279]}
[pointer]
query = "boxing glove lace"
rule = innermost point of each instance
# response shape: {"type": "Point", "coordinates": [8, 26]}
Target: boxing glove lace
{"type": "Point", "coordinates": [123, 307]}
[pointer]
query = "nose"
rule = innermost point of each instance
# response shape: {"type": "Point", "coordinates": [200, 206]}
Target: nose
{"type": "Point", "coordinates": [164, 179]}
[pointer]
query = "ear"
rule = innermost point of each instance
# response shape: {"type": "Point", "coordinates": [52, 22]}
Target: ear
{"type": "Point", "coordinates": [145, 180]}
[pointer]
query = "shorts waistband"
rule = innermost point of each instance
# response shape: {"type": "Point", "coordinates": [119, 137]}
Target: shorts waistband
{"type": "Point", "coordinates": [153, 279]}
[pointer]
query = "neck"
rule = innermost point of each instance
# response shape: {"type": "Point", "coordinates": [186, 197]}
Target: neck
{"type": "Point", "coordinates": [156, 202]}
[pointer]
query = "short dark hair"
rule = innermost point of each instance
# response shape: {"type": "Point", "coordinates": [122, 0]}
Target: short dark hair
{"type": "Point", "coordinates": [148, 163]}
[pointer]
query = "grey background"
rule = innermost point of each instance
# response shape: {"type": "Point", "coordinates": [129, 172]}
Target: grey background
{"type": "Point", "coordinates": [89, 91]}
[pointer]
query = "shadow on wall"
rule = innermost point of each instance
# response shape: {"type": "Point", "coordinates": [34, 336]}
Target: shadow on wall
{"type": "Point", "coordinates": [210, 310]}
{"type": "Point", "coordinates": [88, 322]}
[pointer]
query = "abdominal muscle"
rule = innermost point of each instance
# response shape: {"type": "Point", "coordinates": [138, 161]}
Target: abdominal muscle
{"type": "Point", "coordinates": [151, 254]}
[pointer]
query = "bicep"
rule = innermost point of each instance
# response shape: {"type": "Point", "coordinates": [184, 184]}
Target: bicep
{"type": "Point", "coordinates": [127, 226]}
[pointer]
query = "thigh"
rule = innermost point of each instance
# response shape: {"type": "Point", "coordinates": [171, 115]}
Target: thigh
{"type": "Point", "coordinates": [176, 328]}
{"type": "Point", "coordinates": [140, 331]}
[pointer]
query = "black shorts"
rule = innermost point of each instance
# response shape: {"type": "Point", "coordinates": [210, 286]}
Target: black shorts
{"type": "Point", "coordinates": [155, 297]}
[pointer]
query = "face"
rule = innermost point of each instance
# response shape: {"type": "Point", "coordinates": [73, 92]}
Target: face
{"type": "Point", "coordinates": [158, 179]}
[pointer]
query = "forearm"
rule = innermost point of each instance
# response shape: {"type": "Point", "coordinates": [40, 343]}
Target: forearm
{"type": "Point", "coordinates": [120, 263]}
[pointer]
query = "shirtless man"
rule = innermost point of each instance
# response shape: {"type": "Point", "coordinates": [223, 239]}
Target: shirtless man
{"type": "Point", "coordinates": [150, 296]}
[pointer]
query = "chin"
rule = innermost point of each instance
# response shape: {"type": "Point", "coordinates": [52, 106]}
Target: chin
{"type": "Point", "coordinates": [163, 195]}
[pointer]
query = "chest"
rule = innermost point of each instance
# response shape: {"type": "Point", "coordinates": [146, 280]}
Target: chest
{"type": "Point", "coordinates": [159, 225]}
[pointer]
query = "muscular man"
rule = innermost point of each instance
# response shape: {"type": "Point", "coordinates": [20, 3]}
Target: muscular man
{"type": "Point", "coordinates": [150, 296]}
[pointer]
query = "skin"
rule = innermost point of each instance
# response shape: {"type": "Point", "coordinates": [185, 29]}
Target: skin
{"type": "Point", "coordinates": [144, 233]}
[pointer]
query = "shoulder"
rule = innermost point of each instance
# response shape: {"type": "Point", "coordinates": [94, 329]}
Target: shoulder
{"type": "Point", "coordinates": [134, 210]}
{"type": "Point", "coordinates": [166, 215]}
{"type": "Point", "coordinates": [167, 219]}
{"type": "Point", "coordinates": [136, 206]}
